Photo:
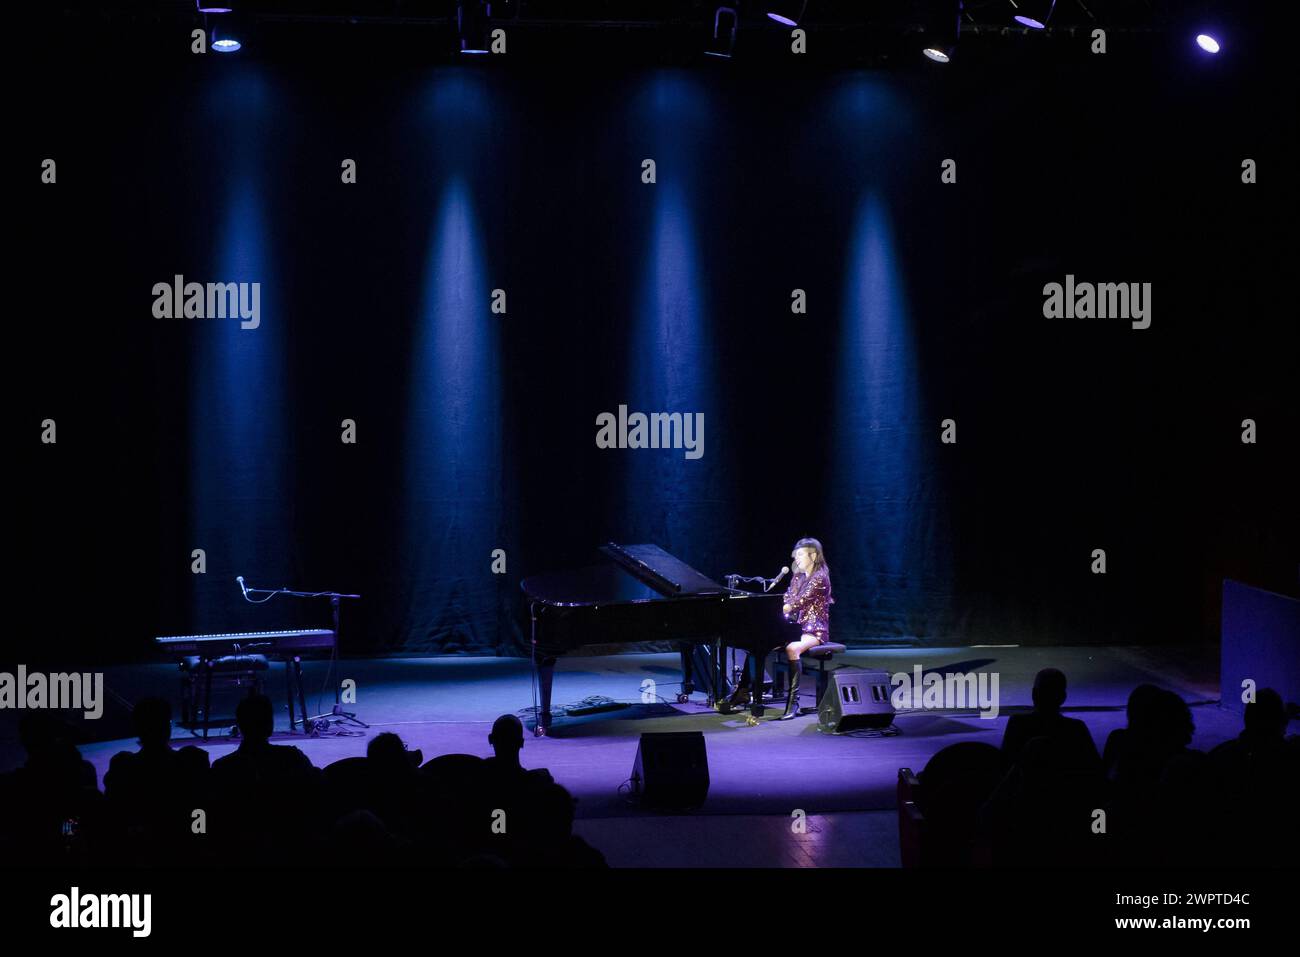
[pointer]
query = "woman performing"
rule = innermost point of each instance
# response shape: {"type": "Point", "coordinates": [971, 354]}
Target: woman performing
{"type": "Point", "coordinates": [807, 603]}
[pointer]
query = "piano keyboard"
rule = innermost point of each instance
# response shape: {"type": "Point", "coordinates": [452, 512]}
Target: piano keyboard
{"type": "Point", "coordinates": [256, 642]}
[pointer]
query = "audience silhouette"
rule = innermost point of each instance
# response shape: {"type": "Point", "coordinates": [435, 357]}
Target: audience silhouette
{"type": "Point", "coordinates": [52, 802]}
{"type": "Point", "coordinates": [1150, 799]}
{"type": "Point", "coordinates": [1069, 738]}
{"type": "Point", "coordinates": [151, 794]}
{"type": "Point", "coordinates": [263, 794]}
{"type": "Point", "coordinates": [507, 740]}
{"type": "Point", "coordinates": [1045, 798]}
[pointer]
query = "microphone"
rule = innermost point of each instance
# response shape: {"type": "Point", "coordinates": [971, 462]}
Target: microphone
{"type": "Point", "coordinates": [242, 586]}
{"type": "Point", "coordinates": [785, 570]}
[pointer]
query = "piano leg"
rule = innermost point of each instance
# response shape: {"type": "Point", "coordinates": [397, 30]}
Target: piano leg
{"type": "Point", "coordinates": [207, 696]}
{"type": "Point", "coordinates": [687, 651]}
{"type": "Point", "coordinates": [288, 689]}
{"type": "Point", "coordinates": [302, 698]}
{"type": "Point", "coordinates": [545, 677]}
{"type": "Point", "coordinates": [754, 662]}
{"type": "Point", "coordinates": [720, 689]}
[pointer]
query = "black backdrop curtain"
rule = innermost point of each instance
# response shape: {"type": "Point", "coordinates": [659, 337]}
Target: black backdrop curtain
{"type": "Point", "coordinates": [476, 430]}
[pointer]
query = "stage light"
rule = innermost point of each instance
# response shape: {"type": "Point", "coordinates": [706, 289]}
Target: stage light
{"type": "Point", "coordinates": [1207, 43]}
{"type": "Point", "coordinates": [724, 33]}
{"type": "Point", "coordinates": [1034, 13]}
{"type": "Point", "coordinates": [942, 28]}
{"type": "Point", "coordinates": [472, 25]}
{"type": "Point", "coordinates": [221, 40]}
{"type": "Point", "coordinates": [787, 12]}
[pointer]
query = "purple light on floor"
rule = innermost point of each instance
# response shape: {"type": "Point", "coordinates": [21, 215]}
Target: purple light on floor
{"type": "Point", "coordinates": [226, 46]}
{"type": "Point", "coordinates": [1207, 43]}
{"type": "Point", "coordinates": [782, 19]}
{"type": "Point", "coordinates": [1029, 22]}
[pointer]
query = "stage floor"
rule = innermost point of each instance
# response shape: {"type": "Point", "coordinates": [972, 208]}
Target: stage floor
{"type": "Point", "coordinates": [444, 705]}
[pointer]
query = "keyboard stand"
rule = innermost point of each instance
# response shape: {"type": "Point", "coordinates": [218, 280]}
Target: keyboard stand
{"type": "Point", "coordinates": [293, 682]}
{"type": "Point", "coordinates": [335, 715]}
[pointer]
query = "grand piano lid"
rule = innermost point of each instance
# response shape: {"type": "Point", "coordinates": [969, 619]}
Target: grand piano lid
{"type": "Point", "coordinates": [636, 573]}
{"type": "Point", "coordinates": [670, 575]}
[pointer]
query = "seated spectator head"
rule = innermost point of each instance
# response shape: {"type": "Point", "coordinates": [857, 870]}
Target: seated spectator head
{"type": "Point", "coordinates": [964, 773]}
{"type": "Point", "coordinates": [256, 718]}
{"type": "Point", "coordinates": [1049, 689]}
{"type": "Point", "coordinates": [507, 737]}
{"type": "Point", "coordinates": [47, 739]}
{"type": "Point", "coordinates": [1266, 716]}
{"type": "Point", "coordinates": [387, 752]}
{"type": "Point", "coordinates": [152, 718]}
{"type": "Point", "coordinates": [1143, 703]}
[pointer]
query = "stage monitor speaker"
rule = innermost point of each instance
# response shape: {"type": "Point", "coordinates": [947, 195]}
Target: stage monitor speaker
{"type": "Point", "coordinates": [855, 699]}
{"type": "Point", "coordinates": [671, 769]}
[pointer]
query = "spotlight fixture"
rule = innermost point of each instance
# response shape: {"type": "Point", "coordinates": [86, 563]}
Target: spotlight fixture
{"type": "Point", "coordinates": [1207, 42]}
{"type": "Point", "coordinates": [472, 25]}
{"type": "Point", "coordinates": [724, 33]}
{"type": "Point", "coordinates": [1033, 13]}
{"type": "Point", "coordinates": [942, 28]}
{"type": "Point", "coordinates": [787, 12]}
{"type": "Point", "coordinates": [220, 31]}
{"type": "Point", "coordinates": [1212, 23]}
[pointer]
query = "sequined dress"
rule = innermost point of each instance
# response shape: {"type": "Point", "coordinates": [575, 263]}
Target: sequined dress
{"type": "Point", "coordinates": [809, 598]}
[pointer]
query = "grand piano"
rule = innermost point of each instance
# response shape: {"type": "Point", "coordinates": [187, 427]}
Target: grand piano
{"type": "Point", "coordinates": [642, 593]}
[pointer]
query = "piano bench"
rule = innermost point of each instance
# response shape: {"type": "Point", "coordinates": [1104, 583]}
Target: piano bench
{"type": "Point", "coordinates": [230, 670]}
{"type": "Point", "coordinates": [227, 663]}
{"type": "Point", "coordinates": [826, 651]}
{"type": "Point", "coordinates": [820, 654]}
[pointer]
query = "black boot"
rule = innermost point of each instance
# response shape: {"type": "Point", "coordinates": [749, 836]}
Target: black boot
{"type": "Point", "coordinates": [792, 696]}
{"type": "Point", "coordinates": [738, 698]}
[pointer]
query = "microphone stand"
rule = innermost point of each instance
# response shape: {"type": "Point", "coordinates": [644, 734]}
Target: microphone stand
{"type": "Point", "coordinates": [314, 725]}
{"type": "Point", "coordinates": [767, 583]}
